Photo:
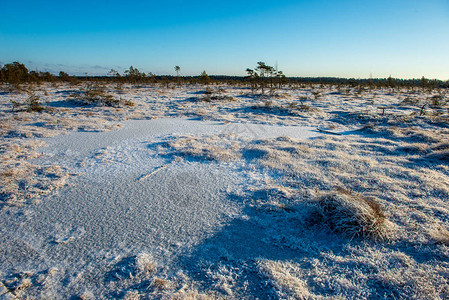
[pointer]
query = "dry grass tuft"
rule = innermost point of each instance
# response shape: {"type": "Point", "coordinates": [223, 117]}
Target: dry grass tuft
{"type": "Point", "coordinates": [439, 152]}
{"type": "Point", "coordinates": [16, 285]}
{"type": "Point", "coordinates": [87, 295]}
{"type": "Point", "coordinates": [145, 263]}
{"type": "Point", "coordinates": [440, 155]}
{"type": "Point", "coordinates": [441, 146]}
{"type": "Point", "coordinates": [188, 294]}
{"type": "Point", "coordinates": [286, 279]}
{"type": "Point", "coordinates": [352, 214]}
{"type": "Point", "coordinates": [162, 284]}
{"type": "Point", "coordinates": [440, 236]}
{"type": "Point", "coordinates": [132, 295]}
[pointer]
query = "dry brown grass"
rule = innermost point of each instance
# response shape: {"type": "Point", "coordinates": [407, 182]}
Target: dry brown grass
{"type": "Point", "coordinates": [132, 295]}
{"type": "Point", "coordinates": [440, 235]}
{"type": "Point", "coordinates": [191, 295]}
{"type": "Point", "coordinates": [345, 212]}
{"type": "Point", "coordinates": [22, 181]}
{"type": "Point", "coordinates": [162, 284]}
{"type": "Point", "coordinates": [285, 279]}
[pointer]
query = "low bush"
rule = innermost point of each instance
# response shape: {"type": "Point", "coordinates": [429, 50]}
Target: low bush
{"type": "Point", "coordinates": [95, 94]}
{"type": "Point", "coordinates": [32, 103]}
{"type": "Point", "coordinates": [437, 101]}
{"type": "Point", "coordinates": [409, 101]}
{"type": "Point", "coordinates": [212, 95]}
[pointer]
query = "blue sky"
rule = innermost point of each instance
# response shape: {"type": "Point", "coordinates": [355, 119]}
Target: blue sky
{"type": "Point", "coordinates": [345, 38]}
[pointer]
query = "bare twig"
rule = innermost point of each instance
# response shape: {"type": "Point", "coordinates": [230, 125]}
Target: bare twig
{"type": "Point", "coordinates": [329, 132]}
{"type": "Point", "coordinates": [153, 172]}
{"type": "Point", "coordinates": [8, 291]}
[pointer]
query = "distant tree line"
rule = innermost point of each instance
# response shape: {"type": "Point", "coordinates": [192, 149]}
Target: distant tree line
{"type": "Point", "coordinates": [374, 82]}
{"type": "Point", "coordinates": [17, 73]}
{"type": "Point", "coordinates": [262, 78]}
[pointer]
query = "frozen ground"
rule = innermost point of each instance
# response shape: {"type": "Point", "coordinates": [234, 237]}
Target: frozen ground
{"type": "Point", "coordinates": [180, 194]}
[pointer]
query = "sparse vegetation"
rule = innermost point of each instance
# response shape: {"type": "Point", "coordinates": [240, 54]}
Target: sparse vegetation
{"type": "Point", "coordinates": [437, 101]}
{"type": "Point", "coordinates": [32, 103]}
{"type": "Point", "coordinates": [211, 95]}
{"type": "Point", "coordinates": [410, 101]}
{"type": "Point", "coordinates": [95, 94]}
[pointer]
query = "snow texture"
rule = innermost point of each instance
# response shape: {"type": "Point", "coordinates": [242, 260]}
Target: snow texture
{"type": "Point", "coordinates": [240, 197]}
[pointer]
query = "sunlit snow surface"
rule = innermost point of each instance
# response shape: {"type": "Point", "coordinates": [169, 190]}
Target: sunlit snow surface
{"type": "Point", "coordinates": [129, 197]}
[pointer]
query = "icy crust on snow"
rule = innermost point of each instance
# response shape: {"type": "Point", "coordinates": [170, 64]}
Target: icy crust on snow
{"type": "Point", "coordinates": [80, 143]}
{"type": "Point", "coordinates": [132, 194]}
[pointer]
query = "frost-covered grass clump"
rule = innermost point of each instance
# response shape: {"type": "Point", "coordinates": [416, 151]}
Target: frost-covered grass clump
{"type": "Point", "coordinates": [352, 214]}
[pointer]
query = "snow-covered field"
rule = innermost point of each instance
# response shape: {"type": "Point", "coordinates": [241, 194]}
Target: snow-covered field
{"type": "Point", "coordinates": [189, 193]}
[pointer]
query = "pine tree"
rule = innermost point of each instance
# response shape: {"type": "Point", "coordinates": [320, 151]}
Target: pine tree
{"type": "Point", "coordinates": [177, 69]}
{"type": "Point", "coordinates": [204, 78]}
